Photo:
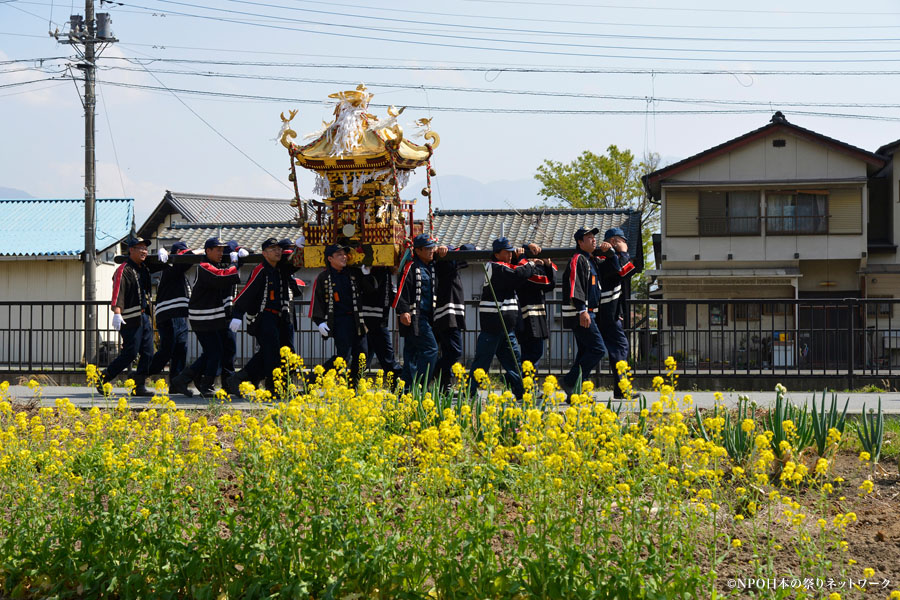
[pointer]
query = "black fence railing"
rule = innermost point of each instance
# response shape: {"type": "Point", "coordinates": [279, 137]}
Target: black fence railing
{"type": "Point", "coordinates": [824, 338]}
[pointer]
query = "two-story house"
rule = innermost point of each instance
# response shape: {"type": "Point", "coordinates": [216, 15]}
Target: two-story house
{"type": "Point", "coordinates": [781, 212]}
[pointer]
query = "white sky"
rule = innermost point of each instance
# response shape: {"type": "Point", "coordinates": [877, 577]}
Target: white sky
{"type": "Point", "coordinates": [149, 141]}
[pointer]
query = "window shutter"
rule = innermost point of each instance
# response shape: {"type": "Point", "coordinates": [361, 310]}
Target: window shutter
{"type": "Point", "coordinates": [845, 211]}
{"type": "Point", "coordinates": [681, 213]}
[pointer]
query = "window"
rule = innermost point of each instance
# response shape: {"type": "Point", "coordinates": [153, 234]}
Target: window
{"type": "Point", "coordinates": [729, 213]}
{"type": "Point", "coordinates": [677, 315]}
{"type": "Point", "coordinates": [797, 212]}
{"type": "Point", "coordinates": [746, 312]}
{"type": "Point", "coordinates": [718, 314]}
{"type": "Point", "coordinates": [777, 308]}
{"type": "Point", "coordinates": [879, 309]}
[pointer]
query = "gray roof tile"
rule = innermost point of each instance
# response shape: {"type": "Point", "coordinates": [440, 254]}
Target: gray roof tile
{"type": "Point", "coordinates": [201, 208]}
{"type": "Point", "coordinates": [551, 228]}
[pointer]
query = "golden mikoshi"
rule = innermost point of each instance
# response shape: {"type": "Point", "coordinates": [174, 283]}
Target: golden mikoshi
{"type": "Point", "coordinates": [361, 162]}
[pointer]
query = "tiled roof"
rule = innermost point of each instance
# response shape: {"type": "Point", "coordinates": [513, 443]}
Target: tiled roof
{"type": "Point", "coordinates": [777, 123]}
{"type": "Point", "coordinates": [550, 228]}
{"type": "Point", "coordinates": [205, 208]}
{"type": "Point", "coordinates": [197, 208]}
{"type": "Point", "coordinates": [56, 227]}
{"type": "Point", "coordinates": [249, 235]}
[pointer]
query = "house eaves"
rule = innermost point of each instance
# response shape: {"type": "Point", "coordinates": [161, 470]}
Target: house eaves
{"type": "Point", "coordinates": [777, 124]}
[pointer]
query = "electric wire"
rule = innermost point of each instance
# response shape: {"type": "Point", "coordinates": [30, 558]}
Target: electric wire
{"type": "Point", "coordinates": [681, 9]}
{"type": "Point", "coordinates": [518, 31]}
{"type": "Point", "coordinates": [555, 94]}
{"type": "Point", "coordinates": [512, 69]}
{"type": "Point", "coordinates": [175, 93]}
{"type": "Point", "coordinates": [493, 110]}
{"type": "Point", "coordinates": [345, 35]}
{"type": "Point", "coordinates": [585, 22]}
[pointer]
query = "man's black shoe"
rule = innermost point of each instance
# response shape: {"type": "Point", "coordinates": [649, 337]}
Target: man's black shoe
{"type": "Point", "coordinates": [141, 391]}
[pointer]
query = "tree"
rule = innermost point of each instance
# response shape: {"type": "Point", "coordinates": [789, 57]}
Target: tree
{"type": "Point", "coordinates": [612, 180]}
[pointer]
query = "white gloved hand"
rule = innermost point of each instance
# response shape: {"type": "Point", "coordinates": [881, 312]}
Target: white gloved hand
{"type": "Point", "coordinates": [234, 257]}
{"type": "Point", "coordinates": [323, 329]}
{"type": "Point", "coordinates": [234, 325]}
{"type": "Point", "coordinates": [162, 254]}
{"type": "Point", "coordinates": [366, 270]}
{"type": "Point", "coordinates": [117, 321]}
{"type": "Point", "coordinates": [243, 253]}
{"type": "Point", "coordinates": [300, 241]}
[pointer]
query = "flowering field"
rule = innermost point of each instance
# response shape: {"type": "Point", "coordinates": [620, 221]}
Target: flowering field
{"type": "Point", "coordinates": [366, 493]}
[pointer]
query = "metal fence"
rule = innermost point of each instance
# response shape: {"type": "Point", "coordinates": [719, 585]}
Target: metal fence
{"type": "Point", "coordinates": [824, 338]}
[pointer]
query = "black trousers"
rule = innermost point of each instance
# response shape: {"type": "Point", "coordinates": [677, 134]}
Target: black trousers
{"type": "Point", "coordinates": [172, 350]}
{"type": "Point", "coordinates": [135, 341]}
{"type": "Point", "coordinates": [271, 329]}
{"type": "Point", "coordinates": [450, 342]}
{"type": "Point", "coordinates": [381, 345]}
{"type": "Point", "coordinates": [348, 344]}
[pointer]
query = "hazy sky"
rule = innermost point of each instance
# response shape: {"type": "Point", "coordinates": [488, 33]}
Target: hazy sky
{"type": "Point", "coordinates": [647, 69]}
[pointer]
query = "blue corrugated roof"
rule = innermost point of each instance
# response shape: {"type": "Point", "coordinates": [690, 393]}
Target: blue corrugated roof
{"type": "Point", "coordinates": [56, 227]}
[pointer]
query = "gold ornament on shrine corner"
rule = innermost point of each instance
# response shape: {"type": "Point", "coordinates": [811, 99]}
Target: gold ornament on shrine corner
{"type": "Point", "coordinates": [361, 162]}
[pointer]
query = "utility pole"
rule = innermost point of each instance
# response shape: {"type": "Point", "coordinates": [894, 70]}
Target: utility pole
{"type": "Point", "coordinates": [85, 34]}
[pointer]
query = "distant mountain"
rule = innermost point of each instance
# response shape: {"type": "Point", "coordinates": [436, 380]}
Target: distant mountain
{"type": "Point", "coordinates": [458, 192]}
{"type": "Point", "coordinates": [14, 194]}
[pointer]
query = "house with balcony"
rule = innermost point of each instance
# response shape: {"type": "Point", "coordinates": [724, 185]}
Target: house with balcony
{"type": "Point", "coordinates": [778, 213]}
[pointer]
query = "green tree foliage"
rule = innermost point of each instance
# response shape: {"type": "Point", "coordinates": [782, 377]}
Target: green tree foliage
{"type": "Point", "coordinates": [611, 180]}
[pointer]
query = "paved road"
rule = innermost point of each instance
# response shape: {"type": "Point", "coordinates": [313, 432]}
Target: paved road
{"type": "Point", "coordinates": [83, 397]}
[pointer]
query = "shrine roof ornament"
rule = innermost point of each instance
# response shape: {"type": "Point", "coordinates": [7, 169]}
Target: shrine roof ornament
{"type": "Point", "coordinates": [358, 140]}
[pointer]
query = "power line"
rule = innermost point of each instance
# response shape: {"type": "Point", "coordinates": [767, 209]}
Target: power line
{"type": "Point", "coordinates": [509, 69]}
{"type": "Point", "coordinates": [641, 25]}
{"type": "Point", "coordinates": [21, 83]}
{"type": "Point", "coordinates": [174, 93]}
{"type": "Point", "coordinates": [46, 87]}
{"type": "Point", "coordinates": [717, 58]}
{"type": "Point", "coordinates": [494, 110]}
{"type": "Point", "coordinates": [523, 42]}
{"type": "Point", "coordinates": [495, 29]}
{"type": "Point", "coordinates": [555, 94]}
{"type": "Point", "coordinates": [682, 9]}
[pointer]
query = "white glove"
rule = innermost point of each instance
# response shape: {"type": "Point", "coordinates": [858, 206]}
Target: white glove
{"type": "Point", "coordinates": [117, 321]}
{"type": "Point", "coordinates": [366, 270]}
{"type": "Point", "coordinates": [234, 325]}
{"type": "Point", "coordinates": [242, 253]}
{"type": "Point", "coordinates": [234, 257]}
{"type": "Point", "coordinates": [323, 329]}
{"type": "Point", "coordinates": [162, 254]}
{"type": "Point", "coordinates": [300, 241]}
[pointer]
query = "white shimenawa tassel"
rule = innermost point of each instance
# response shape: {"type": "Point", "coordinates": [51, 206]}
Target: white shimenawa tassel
{"type": "Point", "coordinates": [285, 125]}
{"type": "Point", "coordinates": [322, 187]}
{"type": "Point", "coordinates": [403, 178]}
{"type": "Point", "coordinates": [348, 128]}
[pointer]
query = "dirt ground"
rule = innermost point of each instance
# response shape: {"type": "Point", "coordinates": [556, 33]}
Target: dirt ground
{"type": "Point", "coordinates": [873, 541]}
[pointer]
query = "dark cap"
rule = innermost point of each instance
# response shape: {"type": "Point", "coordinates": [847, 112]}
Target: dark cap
{"type": "Point", "coordinates": [285, 243]}
{"type": "Point", "coordinates": [269, 243]}
{"type": "Point", "coordinates": [232, 245]}
{"type": "Point", "coordinates": [179, 247]}
{"type": "Point", "coordinates": [329, 250]}
{"type": "Point", "coordinates": [502, 244]}
{"type": "Point", "coordinates": [582, 231]}
{"type": "Point", "coordinates": [213, 242]}
{"type": "Point", "coordinates": [134, 241]}
{"type": "Point", "coordinates": [423, 240]}
{"type": "Point", "coordinates": [614, 232]}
